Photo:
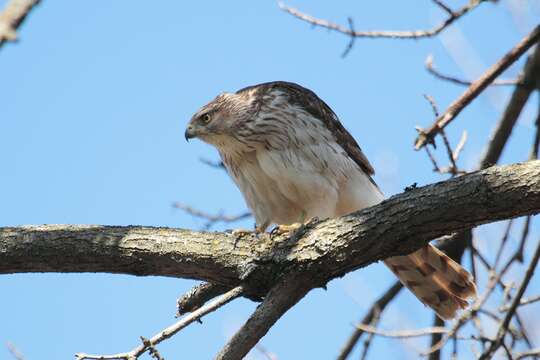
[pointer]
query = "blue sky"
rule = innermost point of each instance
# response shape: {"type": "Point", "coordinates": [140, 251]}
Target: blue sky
{"type": "Point", "coordinates": [94, 101]}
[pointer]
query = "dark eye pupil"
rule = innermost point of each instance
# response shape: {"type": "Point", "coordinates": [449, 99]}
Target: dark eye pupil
{"type": "Point", "coordinates": [206, 118]}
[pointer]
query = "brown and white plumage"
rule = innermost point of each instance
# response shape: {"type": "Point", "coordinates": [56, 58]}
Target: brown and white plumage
{"type": "Point", "coordinates": [292, 159]}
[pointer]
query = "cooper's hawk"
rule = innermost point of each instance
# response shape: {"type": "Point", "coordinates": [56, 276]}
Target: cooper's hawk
{"type": "Point", "coordinates": [293, 160]}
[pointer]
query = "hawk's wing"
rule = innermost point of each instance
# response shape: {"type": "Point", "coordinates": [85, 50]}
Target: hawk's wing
{"type": "Point", "coordinates": [310, 102]}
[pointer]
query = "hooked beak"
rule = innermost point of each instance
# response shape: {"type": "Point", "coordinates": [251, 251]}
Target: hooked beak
{"type": "Point", "coordinates": [190, 133]}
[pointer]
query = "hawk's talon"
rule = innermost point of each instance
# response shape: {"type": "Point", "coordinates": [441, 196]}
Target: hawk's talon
{"type": "Point", "coordinates": [293, 228]}
{"type": "Point", "coordinates": [286, 229]}
{"type": "Point", "coordinates": [241, 232]}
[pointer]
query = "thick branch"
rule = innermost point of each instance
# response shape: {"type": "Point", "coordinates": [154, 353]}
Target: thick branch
{"type": "Point", "coordinates": [477, 87]}
{"type": "Point", "coordinates": [326, 249]}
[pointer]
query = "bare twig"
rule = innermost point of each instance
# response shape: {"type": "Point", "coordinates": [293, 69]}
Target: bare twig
{"type": "Point", "coordinates": [444, 7]}
{"type": "Point", "coordinates": [436, 167]}
{"type": "Point", "coordinates": [377, 308]}
{"type": "Point", "coordinates": [452, 169]}
{"type": "Point", "coordinates": [476, 88]}
{"type": "Point", "coordinates": [152, 350]}
{"type": "Point", "coordinates": [452, 154]}
{"type": "Point", "coordinates": [460, 145]}
{"type": "Point", "coordinates": [436, 337]}
{"type": "Point", "coordinates": [526, 301]}
{"type": "Point", "coordinates": [433, 71]}
{"type": "Point", "coordinates": [468, 314]}
{"type": "Point", "coordinates": [264, 352]}
{"type": "Point", "coordinates": [12, 17]}
{"type": "Point", "coordinates": [405, 34]}
{"type": "Point", "coordinates": [351, 41]}
{"type": "Point", "coordinates": [211, 219]}
{"type": "Point", "coordinates": [504, 239]}
{"type": "Point", "coordinates": [525, 354]}
{"type": "Point", "coordinates": [524, 236]}
{"type": "Point", "coordinates": [171, 330]}
{"type": "Point", "coordinates": [513, 307]}
{"type": "Point", "coordinates": [367, 342]}
{"type": "Point", "coordinates": [513, 110]}
{"type": "Point", "coordinates": [17, 355]}
{"type": "Point", "coordinates": [402, 333]}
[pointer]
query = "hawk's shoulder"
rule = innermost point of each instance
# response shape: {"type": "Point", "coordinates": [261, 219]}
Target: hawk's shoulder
{"type": "Point", "coordinates": [310, 102]}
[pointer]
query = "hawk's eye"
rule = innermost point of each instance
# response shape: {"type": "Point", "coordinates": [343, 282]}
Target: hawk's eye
{"type": "Point", "coordinates": [205, 118]}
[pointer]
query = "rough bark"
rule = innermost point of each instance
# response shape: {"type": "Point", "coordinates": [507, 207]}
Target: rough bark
{"type": "Point", "coordinates": [326, 249]}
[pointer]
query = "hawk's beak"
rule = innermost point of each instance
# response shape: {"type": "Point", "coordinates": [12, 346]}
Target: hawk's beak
{"type": "Point", "coordinates": [190, 133]}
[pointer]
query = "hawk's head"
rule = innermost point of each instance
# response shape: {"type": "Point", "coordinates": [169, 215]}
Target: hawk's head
{"type": "Point", "coordinates": [222, 119]}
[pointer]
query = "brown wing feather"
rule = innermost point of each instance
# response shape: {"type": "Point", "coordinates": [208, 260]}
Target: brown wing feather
{"type": "Point", "coordinates": [309, 101]}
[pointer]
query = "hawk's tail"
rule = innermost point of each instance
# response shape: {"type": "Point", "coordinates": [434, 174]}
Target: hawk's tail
{"type": "Point", "coordinates": [438, 281]}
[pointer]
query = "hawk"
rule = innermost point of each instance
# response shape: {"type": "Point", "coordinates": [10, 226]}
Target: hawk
{"type": "Point", "coordinates": [293, 160]}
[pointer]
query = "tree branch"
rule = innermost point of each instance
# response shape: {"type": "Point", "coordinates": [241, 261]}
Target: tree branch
{"type": "Point", "coordinates": [149, 344]}
{"type": "Point", "coordinates": [392, 34]}
{"type": "Point", "coordinates": [433, 71]}
{"type": "Point", "coordinates": [12, 17]}
{"type": "Point", "coordinates": [327, 249]}
{"type": "Point", "coordinates": [287, 292]}
{"type": "Point", "coordinates": [377, 308]}
{"type": "Point", "coordinates": [503, 130]}
{"type": "Point", "coordinates": [477, 87]}
{"type": "Point", "coordinates": [503, 328]}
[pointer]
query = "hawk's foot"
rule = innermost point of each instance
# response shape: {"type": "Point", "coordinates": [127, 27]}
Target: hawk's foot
{"type": "Point", "coordinates": [241, 232]}
{"type": "Point", "coordinates": [292, 228]}
{"type": "Point", "coordinates": [286, 229]}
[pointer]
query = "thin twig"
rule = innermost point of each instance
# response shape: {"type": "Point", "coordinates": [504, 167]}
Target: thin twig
{"type": "Point", "coordinates": [476, 88]}
{"type": "Point", "coordinates": [506, 234]}
{"type": "Point", "coordinates": [433, 71]}
{"type": "Point", "coordinates": [405, 34]}
{"type": "Point", "coordinates": [436, 167]}
{"type": "Point", "coordinates": [452, 169]}
{"type": "Point", "coordinates": [513, 307]}
{"type": "Point", "coordinates": [436, 337]}
{"type": "Point", "coordinates": [171, 330]}
{"type": "Point", "coordinates": [511, 114]}
{"type": "Point", "coordinates": [460, 145]}
{"type": "Point", "coordinates": [351, 41]}
{"type": "Point", "coordinates": [402, 333]}
{"type": "Point", "coordinates": [211, 219]}
{"type": "Point", "coordinates": [526, 301]}
{"type": "Point", "coordinates": [369, 339]}
{"type": "Point", "coordinates": [377, 308]}
{"type": "Point", "coordinates": [264, 352]}
{"type": "Point", "coordinates": [444, 7]}
{"type": "Point", "coordinates": [525, 354]}
{"type": "Point", "coordinates": [468, 314]}
{"type": "Point", "coordinates": [452, 154]}
{"type": "Point", "coordinates": [17, 355]}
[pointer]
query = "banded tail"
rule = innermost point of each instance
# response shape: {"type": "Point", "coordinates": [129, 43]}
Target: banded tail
{"type": "Point", "coordinates": [435, 279]}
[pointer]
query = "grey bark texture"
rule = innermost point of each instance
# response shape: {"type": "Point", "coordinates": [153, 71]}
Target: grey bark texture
{"type": "Point", "coordinates": [326, 249]}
